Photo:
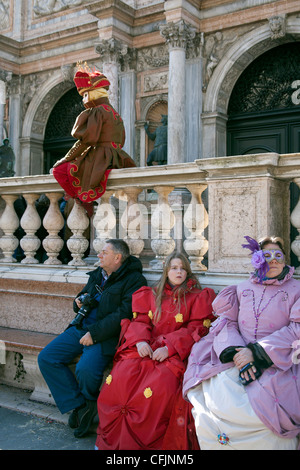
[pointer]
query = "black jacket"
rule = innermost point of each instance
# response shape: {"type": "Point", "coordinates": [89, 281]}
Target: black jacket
{"type": "Point", "coordinates": [115, 301]}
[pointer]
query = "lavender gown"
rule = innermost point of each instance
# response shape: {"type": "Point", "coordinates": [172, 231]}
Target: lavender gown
{"type": "Point", "coordinates": [266, 413]}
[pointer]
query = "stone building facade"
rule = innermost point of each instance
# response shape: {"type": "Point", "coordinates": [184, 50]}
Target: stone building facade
{"type": "Point", "coordinates": [227, 75]}
{"type": "Point", "coordinates": [201, 62]}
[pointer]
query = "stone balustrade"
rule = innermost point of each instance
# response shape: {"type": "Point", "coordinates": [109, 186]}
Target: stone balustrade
{"type": "Point", "coordinates": [160, 208]}
{"type": "Point", "coordinates": [140, 212]}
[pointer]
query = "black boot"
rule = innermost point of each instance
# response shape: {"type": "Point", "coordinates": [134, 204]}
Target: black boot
{"type": "Point", "coordinates": [85, 418]}
{"type": "Point", "coordinates": [73, 418]}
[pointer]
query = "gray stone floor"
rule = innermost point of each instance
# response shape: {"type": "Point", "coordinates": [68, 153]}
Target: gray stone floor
{"type": "Point", "coordinates": [28, 425]}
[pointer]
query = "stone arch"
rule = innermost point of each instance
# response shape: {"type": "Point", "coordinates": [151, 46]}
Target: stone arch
{"type": "Point", "coordinates": [35, 121]}
{"type": "Point", "coordinates": [233, 63]}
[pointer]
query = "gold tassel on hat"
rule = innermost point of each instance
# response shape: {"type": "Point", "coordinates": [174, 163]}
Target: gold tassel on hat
{"type": "Point", "coordinates": [83, 67]}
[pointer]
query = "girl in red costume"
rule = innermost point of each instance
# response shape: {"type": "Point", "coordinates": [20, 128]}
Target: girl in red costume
{"type": "Point", "coordinates": [84, 170]}
{"type": "Point", "coordinates": [141, 406]}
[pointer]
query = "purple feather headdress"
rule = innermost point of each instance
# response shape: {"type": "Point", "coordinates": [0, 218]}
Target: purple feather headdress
{"type": "Point", "coordinates": [258, 260]}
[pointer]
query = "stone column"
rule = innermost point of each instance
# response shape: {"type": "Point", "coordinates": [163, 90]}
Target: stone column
{"type": "Point", "coordinates": [111, 51]}
{"type": "Point", "coordinates": [5, 78]}
{"type": "Point", "coordinates": [15, 101]}
{"type": "Point", "coordinates": [177, 36]}
{"type": "Point", "coordinates": [2, 108]}
{"type": "Point", "coordinates": [127, 109]}
{"type": "Point", "coordinates": [122, 90]}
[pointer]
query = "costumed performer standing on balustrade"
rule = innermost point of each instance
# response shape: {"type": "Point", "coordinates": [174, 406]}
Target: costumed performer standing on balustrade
{"type": "Point", "coordinates": [100, 131]}
{"type": "Point", "coordinates": [243, 378]}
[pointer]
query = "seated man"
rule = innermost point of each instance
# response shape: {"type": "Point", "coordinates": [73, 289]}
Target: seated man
{"type": "Point", "coordinates": [94, 333]}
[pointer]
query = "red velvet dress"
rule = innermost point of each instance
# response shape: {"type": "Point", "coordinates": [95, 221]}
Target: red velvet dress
{"type": "Point", "coordinates": [140, 406]}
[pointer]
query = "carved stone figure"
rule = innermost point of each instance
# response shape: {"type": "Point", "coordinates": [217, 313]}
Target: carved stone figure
{"type": "Point", "coordinates": [277, 25]}
{"type": "Point", "coordinates": [159, 154]}
{"type": "Point", "coordinates": [7, 159]}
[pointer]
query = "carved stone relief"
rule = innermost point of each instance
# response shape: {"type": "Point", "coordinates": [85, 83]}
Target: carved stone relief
{"type": "Point", "coordinates": [156, 81]}
{"type": "Point", "coordinates": [277, 25]}
{"type": "Point", "coordinates": [152, 57]}
{"type": "Point", "coordinates": [5, 14]}
{"type": "Point", "coordinates": [30, 85]}
{"type": "Point", "coordinates": [48, 7]}
{"type": "Point", "coordinates": [214, 47]}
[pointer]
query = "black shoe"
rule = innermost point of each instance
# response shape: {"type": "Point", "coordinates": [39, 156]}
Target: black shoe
{"type": "Point", "coordinates": [73, 418]}
{"type": "Point", "coordinates": [85, 418]}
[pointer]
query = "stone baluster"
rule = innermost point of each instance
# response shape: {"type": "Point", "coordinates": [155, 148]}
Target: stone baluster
{"type": "Point", "coordinates": [295, 221]}
{"type": "Point", "coordinates": [162, 221]}
{"type": "Point", "coordinates": [9, 223]}
{"type": "Point", "coordinates": [195, 221]}
{"type": "Point", "coordinates": [30, 222]}
{"type": "Point", "coordinates": [53, 223]}
{"type": "Point", "coordinates": [77, 222]}
{"type": "Point", "coordinates": [104, 222]}
{"type": "Point", "coordinates": [132, 221]}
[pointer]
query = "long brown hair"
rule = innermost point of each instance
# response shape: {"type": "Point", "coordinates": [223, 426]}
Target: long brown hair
{"type": "Point", "coordinates": [179, 291]}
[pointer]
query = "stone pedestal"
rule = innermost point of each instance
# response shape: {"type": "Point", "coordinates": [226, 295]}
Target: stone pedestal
{"type": "Point", "coordinates": [248, 200]}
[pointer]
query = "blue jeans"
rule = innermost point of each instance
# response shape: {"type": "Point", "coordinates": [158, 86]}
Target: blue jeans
{"type": "Point", "coordinates": [70, 392]}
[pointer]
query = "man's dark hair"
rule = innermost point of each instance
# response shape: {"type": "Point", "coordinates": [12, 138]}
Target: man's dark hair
{"type": "Point", "coordinates": [121, 247]}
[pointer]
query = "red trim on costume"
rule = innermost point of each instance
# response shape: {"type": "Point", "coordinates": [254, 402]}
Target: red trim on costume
{"type": "Point", "coordinates": [91, 194]}
{"type": "Point", "coordinates": [109, 109]}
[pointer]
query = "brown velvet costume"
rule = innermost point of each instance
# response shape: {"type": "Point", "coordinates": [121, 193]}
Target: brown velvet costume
{"type": "Point", "coordinates": [101, 136]}
{"type": "Point", "coordinates": [100, 131]}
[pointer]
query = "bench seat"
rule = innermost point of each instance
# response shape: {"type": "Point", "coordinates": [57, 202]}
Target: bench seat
{"type": "Point", "coordinates": [24, 340]}
{"type": "Point", "coordinates": [22, 370]}
{"type": "Point", "coordinates": [26, 345]}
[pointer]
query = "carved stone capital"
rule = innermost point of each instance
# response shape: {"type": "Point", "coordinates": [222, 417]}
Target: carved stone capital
{"type": "Point", "coordinates": [113, 50]}
{"type": "Point", "coordinates": [5, 76]}
{"type": "Point", "coordinates": [178, 34]}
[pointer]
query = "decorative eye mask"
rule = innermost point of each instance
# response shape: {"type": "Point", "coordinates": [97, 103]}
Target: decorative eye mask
{"type": "Point", "coordinates": [260, 259]}
{"type": "Point", "coordinates": [273, 254]}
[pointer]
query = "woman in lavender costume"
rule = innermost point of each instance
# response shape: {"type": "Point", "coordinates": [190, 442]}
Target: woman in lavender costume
{"type": "Point", "coordinates": [243, 378]}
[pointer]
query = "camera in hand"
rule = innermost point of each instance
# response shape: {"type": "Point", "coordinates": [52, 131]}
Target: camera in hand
{"type": "Point", "coordinates": [84, 310]}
